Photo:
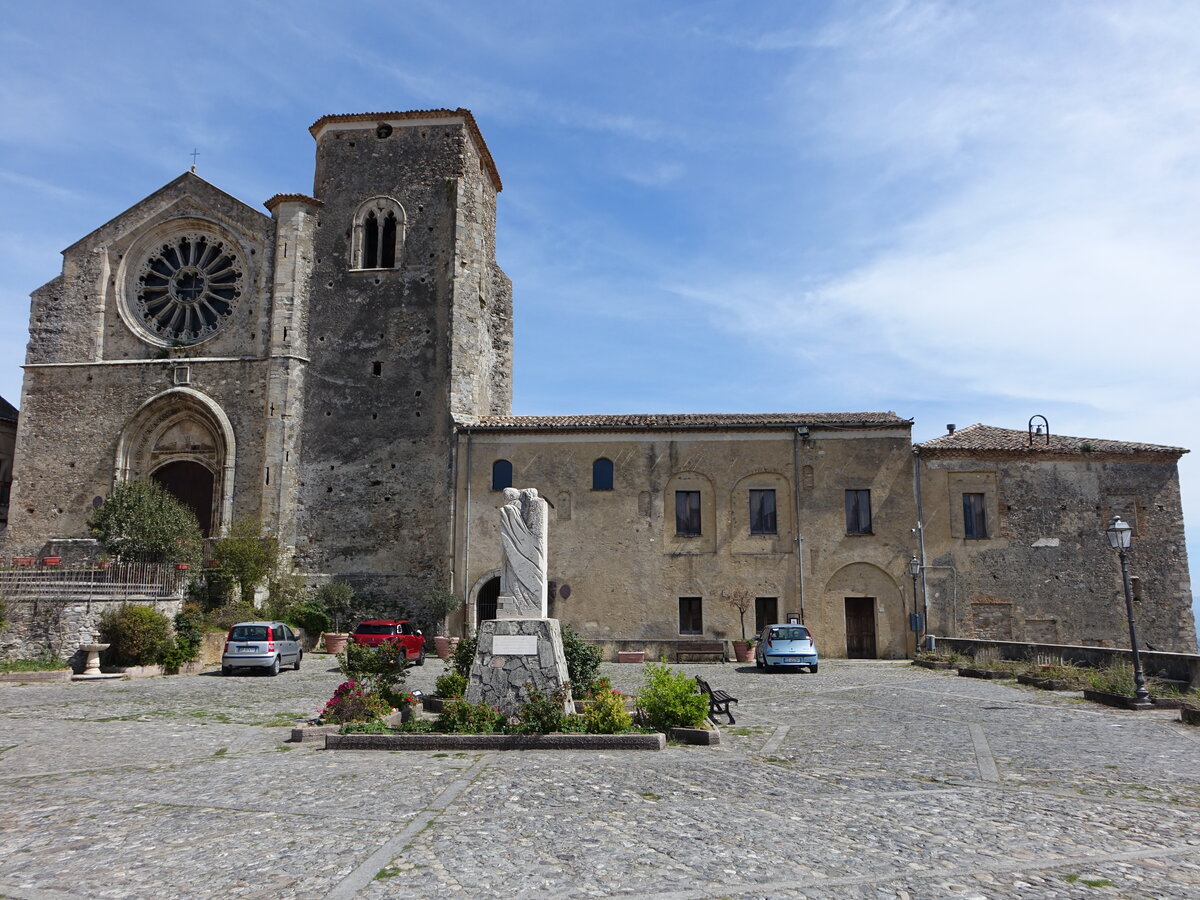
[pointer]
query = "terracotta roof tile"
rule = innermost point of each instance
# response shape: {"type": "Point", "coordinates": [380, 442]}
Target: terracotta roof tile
{"type": "Point", "coordinates": [976, 439]}
{"type": "Point", "coordinates": [691, 420]}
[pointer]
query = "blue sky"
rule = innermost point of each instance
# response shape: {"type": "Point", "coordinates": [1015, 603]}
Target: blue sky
{"type": "Point", "coordinates": [962, 212]}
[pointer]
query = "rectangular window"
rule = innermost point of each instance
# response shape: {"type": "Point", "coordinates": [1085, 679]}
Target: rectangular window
{"type": "Point", "coordinates": [974, 516]}
{"type": "Point", "coordinates": [762, 512]}
{"type": "Point", "coordinates": [690, 620]}
{"type": "Point", "coordinates": [766, 612]}
{"type": "Point", "coordinates": [858, 512]}
{"type": "Point", "coordinates": [687, 512]}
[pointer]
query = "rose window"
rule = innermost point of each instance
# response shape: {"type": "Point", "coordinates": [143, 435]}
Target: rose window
{"type": "Point", "coordinates": [188, 288]}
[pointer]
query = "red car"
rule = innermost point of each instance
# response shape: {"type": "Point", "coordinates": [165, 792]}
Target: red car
{"type": "Point", "coordinates": [374, 632]}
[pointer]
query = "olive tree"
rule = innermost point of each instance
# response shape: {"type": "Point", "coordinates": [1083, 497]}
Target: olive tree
{"type": "Point", "coordinates": [142, 520]}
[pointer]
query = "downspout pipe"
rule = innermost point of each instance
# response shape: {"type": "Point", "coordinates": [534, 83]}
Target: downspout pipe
{"type": "Point", "coordinates": [920, 530]}
{"type": "Point", "coordinates": [796, 432]}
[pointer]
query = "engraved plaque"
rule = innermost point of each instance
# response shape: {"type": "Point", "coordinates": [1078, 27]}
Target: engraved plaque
{"type": "Point", "coordinates": [514, 645]}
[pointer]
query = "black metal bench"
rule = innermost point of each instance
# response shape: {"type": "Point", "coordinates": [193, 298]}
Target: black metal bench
{"type": "Point", "coordinates": [700, 651]}
{"type": "Point", "coordinates": [718, 701]}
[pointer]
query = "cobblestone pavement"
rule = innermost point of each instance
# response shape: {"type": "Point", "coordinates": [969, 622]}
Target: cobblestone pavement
{"type": "Point", "coordinates": [868, 780]}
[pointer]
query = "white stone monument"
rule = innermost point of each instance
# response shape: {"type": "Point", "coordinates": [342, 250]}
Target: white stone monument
{"type": "Point", "coordinates": [521, 647]}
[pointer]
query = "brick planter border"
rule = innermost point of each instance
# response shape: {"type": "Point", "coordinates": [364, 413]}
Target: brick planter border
{"type": "Point", "coordinates": [495, 741]}
{"type": "Point", "coordinates": [1189, 716]}
{"type": "Point", "coordinates": [311, 734]}
{"type": "Point", "coordinates": [932, 664]}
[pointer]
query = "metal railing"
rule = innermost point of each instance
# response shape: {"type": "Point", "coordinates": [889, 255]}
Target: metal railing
{"type": "Point", "coordinates": [118, 580]}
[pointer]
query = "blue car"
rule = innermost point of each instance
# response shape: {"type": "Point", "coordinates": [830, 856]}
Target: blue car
{"type": "Point", "coordinates": [785, 645]}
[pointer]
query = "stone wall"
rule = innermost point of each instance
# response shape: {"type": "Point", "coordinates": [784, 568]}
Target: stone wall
{"type": "Point", "coordinates": [58, 626]}
{"type": "Point", "coordinates": [626, 568]}
{"type": "Point", "coordinates": [1045, 572]}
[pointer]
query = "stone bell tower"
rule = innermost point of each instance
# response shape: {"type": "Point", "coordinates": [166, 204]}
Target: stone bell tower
{"type": "Point", "coordinates": [408, 330]}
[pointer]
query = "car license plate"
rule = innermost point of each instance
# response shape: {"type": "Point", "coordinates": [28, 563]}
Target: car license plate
{"type": "Point", "coordinates": [247, 649]}
{"type": "Point", "coordinates": [793, 660]}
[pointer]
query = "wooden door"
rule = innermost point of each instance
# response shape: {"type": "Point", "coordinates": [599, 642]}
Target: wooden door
{"type": "Point", "coordinates": [192, 485]}
{"type": "Point", "coordinates": [860, 627]}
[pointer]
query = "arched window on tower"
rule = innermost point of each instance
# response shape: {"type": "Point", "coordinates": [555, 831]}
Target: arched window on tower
{"type": "Point", "coordinates": [602, 475]}
{"type": "Point", "coordinates": [501, 475]}
{"type": "Point", "coordinates": [378, 234]}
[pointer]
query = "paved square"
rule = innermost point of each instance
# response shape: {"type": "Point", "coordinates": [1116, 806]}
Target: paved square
{"type": "Point", "coordinates": [870, 779]}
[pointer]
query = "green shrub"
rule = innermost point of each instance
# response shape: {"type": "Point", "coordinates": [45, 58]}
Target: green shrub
{"type": "Point", "coordinates": [377, 670]}
{"type": "Point", "coordinates": [308, 614]}
{"type": "Point", "coordinates": [461, 717]}
{"type": "Point", "coordinates": [136, 634]}
{"type": "Point", "coordinates": [463, 656]}
{"type": "Point", "coordinates": [671, 699]}
{"type": "Point", "coordinates": [247, 555]}
{"type": "Point", "coordinates": [541, 713]}
{"type": "Point", "coordinates": [185, 646]}
{"type": "Point", "coordinates": [143, 520]}
{"type": "Point", "coordinates": [583, 660]}
{"type": "Point", "coordinates": [450, 685]}
{"type": "Point", "coordinates": [607, 714]}
{"type": "Point", "coordinates": [374, 726]}
{"type": "Point", "coordinates": [225, 617]}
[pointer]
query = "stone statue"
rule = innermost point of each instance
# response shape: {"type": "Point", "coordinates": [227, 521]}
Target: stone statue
{"type": "Point", "coordinates": [523, 534]}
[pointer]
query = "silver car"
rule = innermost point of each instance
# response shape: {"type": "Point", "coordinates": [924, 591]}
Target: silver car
{"type": "Point", "coordinates": [261, 645]}
{"type": "Point", "coordinates": [786, 645]}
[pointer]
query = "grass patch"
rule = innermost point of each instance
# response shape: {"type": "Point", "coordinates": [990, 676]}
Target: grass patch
{"type": "Point", "coordinates": [386, 872]}
{"type": "Point", "coordinates": [648, 795]}
{"type": "Point", "coordinates": [222, 751]}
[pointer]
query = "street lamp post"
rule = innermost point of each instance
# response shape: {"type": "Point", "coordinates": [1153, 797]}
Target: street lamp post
{"type": "Point", "coordinates": [914, 569]}
{"type": "Point", "coordinates": [1120, 536]}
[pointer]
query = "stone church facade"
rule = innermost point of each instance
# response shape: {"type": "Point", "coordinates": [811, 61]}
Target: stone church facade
{"type": "Point", "coordinates": [340, 367]}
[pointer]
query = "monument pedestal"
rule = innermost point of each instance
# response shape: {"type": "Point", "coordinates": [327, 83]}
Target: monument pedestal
{"type": "Point", "coordinates": [514, 653]}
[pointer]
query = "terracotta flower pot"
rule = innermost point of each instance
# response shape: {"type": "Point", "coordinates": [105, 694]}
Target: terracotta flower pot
{"type": "Point", "coordinates": [22, 560]}
{"type": "Point", "coordinates": [441, 644]}
{"type": "Point", "coordinates": [742, 651]}
{"type": "Point", "coordinates": [183, 567]}
{"type": "Point", "coordinates": [631, 656]}
{"type": "Point", "coordinates": [51, 560]}
{"type": "Point", "coordinates": [335, 642]}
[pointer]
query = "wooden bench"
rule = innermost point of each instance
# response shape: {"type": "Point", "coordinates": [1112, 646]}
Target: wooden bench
{"type": "Point", "coordinates": [718, 701]}
{"type": "Point", "coordinates": [700, 651]}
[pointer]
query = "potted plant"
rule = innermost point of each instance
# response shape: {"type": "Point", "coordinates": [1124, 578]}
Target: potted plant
{"type": "Point", "coordinates": [741, 600]}
{"type": "Point", "coordinates": [335, 597]}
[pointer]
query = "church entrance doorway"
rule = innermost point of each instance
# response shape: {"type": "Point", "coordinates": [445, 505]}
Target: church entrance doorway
{"type": "Point", "coordinates": [192, 485]}
{"type": "Point", "coordinates": [860, 627]}
{"type": "Point", "coordinates": [485, 601]}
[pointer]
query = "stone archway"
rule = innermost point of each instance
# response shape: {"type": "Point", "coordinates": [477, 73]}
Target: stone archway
{"type": "Point", "coordinates": [483, 596]}
{"type": "Point", "coordinates": [182, 439]}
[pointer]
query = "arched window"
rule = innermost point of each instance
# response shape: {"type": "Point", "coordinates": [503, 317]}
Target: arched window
{"type": "Point", "coordinates": [602, 475]}
{"type": "Point", "coordinates": [378, 234]}
{"type": "Point", "coordinates": [501, 475]}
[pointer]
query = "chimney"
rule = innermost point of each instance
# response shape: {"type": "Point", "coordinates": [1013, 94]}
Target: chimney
{"type": "Point", "coordinates": [950, 429]}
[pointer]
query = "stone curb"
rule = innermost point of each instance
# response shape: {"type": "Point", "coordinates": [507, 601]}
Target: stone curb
{"type": "Point", "coordinates": [705, 737]}
{"type": "Point", "coordinates": [495, 741]}
{"type": "Point", "coordinates": [1046, 684]}
{"type": "Point", "coordinates": [986, 674]}
{"type": "Point", "coordinates": [43, 677]}
{"type": "Point", "coordinates": [311, 734]}
{"type": "Point", "coordinates": [1189, 716]}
